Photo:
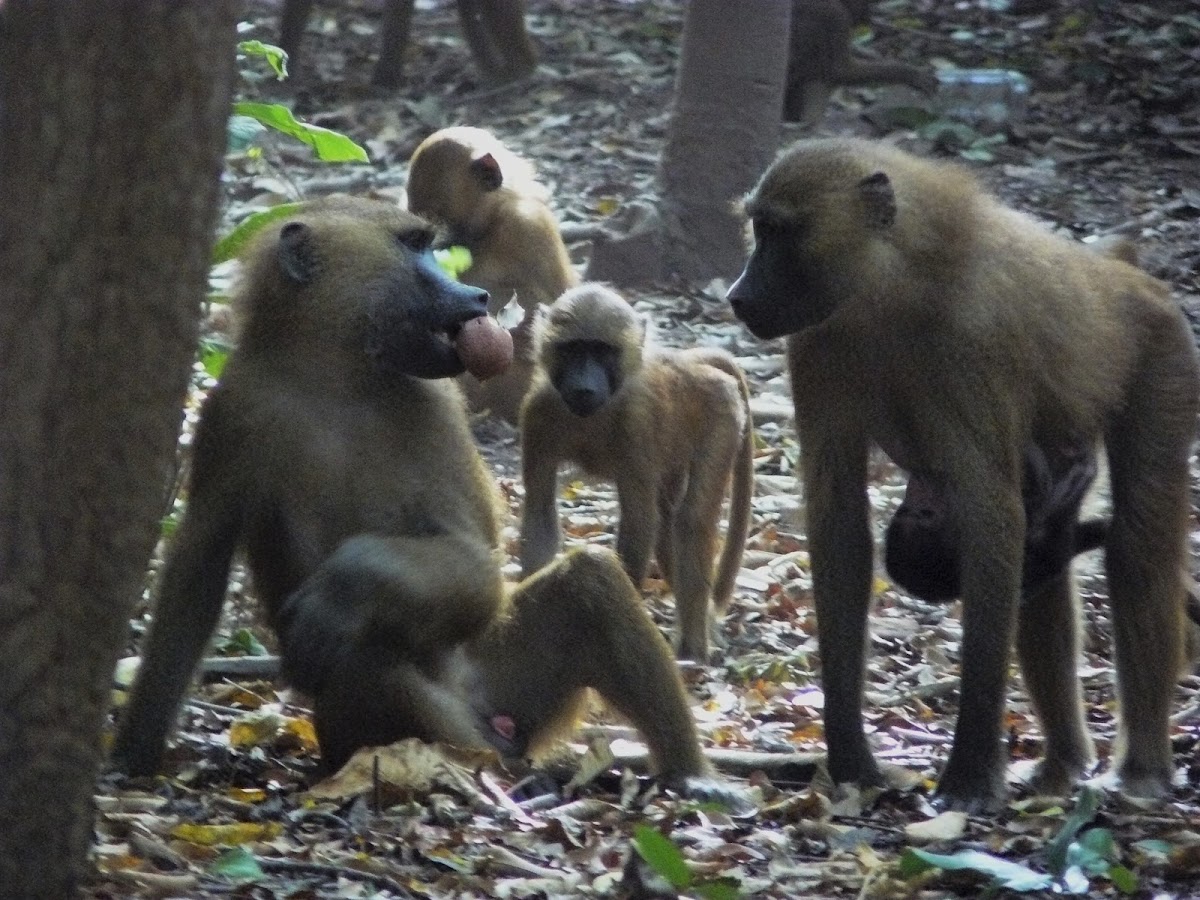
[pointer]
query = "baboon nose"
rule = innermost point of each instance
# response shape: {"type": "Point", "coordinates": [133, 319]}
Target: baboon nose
{"type": "Point", "coordinates": [584, 401]}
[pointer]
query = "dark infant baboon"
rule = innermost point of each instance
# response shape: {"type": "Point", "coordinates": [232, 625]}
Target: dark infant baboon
{"type": "Point", "coordinates": [494, 29]}
{"type": "Point", "coordinates": [490, 202]}
{"type": "Point", "coordinates": [670, 427]}
{"type": "Point", "coordinates": [863, 253]}
{"type": "Point", "coordinates": [921, 546]}
{"type": "Point", "coordinates": [336, 452]}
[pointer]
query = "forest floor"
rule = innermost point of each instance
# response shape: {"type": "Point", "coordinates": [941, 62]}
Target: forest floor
{"type": "Point", "coordinates": [1109, 143]}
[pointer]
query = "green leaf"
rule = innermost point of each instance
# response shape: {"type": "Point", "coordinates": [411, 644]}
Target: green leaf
{"type": "Point", "coordinates": [242, 131]}
{"type": "Point", "coordinates": [237, 864]}
{"type": "Point", "coordinates": [213, 356]}
{"type": "Point", "coordinates": [453, 260]}
{"type": "Point", "coordinates": [330, 146]}
{"type": "Point", "coordinates": [1154, 847]}
{"type": "Point", "coordinates": [1010, 875]}
{"type": "Point", "coordinates": [169, 523]}
{"type": "Point", "coordinates": [1084, 812]}
{"type": "Point", "coordinates": [233, 243]}
{"type": "Point", "coordinates": [662, 856]}
{"type": "Point", "coordinates": [1094, 852]}
{"type": "Point", "coordinates": [1124, 880]}
{"type": "Point", "coordinates": [274, 56]}
{"type": "Point", "coordinates": [716, 889]}
{"type": "Point", "coordinates": [243, 641]}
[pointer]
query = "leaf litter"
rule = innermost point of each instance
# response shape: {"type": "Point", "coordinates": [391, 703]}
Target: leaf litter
{"type": "Point", "coordinates": [1110, 144]}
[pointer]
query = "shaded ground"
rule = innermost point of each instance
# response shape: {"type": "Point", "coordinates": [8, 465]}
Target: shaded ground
{"type": "Point", "coordinates": [1110, 144]}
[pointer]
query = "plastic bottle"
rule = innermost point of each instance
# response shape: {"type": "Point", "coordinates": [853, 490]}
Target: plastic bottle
{"type": "Point", "coordinates": [989, 99]}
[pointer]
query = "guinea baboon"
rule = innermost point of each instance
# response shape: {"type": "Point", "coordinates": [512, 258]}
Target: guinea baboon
{"type": "Point", "coordinates": [863, 252]}
{"type": "Point", "coordinates": [670, 427]}
{"type": "Point", "coordinates": [819, 59]}
{"type": "Point", "coordinates": [338, 456]}
{"type": "Point", "coordinates": [494, 29]}
{"type": "Point", "coordinates": [490, 201]}
{"type": "Point", "coordinates": [921, 546]}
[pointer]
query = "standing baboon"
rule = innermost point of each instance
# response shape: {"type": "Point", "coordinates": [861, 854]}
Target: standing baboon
{"type": "Point", "coordinates": [490, 201]}
{"type": "Point", "coordinates": [494, 29]}
{"type": "Point", "coordinates": [668, 426]}
{"type": "Point", "coordinates": [338, 456]}
{"type": "Point", "coordinates": [863, 253]}
{"type": "Point", "coordinates": [819, 59]}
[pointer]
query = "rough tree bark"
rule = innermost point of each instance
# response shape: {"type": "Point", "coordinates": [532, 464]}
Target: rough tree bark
{"type": "Point", "coordinates": [724, 131]}
{"type": "Point", "coordinates": [113, 123]}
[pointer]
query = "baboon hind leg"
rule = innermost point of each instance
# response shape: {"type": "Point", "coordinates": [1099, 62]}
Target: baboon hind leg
{"type": "Point", "coordinates": [579, 623]}
{"type": "Point", "coordinates": [1148, 447]}
{"type": "Point", "coordinates": [1048, 649]}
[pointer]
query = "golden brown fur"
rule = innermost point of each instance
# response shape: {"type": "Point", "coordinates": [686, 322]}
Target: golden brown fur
{"type": "Point", "coordinates": [952, 332]}
{"type": "Point", "coordinates": [819, 59]}
{"type": "Point", "coordinates": [371, 526]}
{"type": "Point", "coordinates": [490, 201]}
{"type": "Point", "coordinates": [674, 429]}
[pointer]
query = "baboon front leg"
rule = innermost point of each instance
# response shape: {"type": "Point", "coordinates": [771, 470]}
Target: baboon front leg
{"type": "Point", "coordinates": [839, 540]}
{"type": "Point", "coordinates": [1048, 650]}
{"type": "Point", "coordinates": [638, 526]}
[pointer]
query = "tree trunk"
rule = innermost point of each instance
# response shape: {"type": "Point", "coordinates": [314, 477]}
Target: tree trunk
{"type": "Point", "coordinates": [724, 130]}
{"type": "Point", "coordinates": [112, 117]}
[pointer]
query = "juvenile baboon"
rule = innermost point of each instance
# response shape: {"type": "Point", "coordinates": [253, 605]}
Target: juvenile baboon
{"type": "Point", "coordinates": [819, 59]}
{"type": "Point", "coordinates": [863, 252]}
{"type": "Point", "coordinates": [338, 456]}
{"type": "Point", "coordinates": [490, 201]}
{"type": "Point", "coordinates": [670, 427]}
{"type": "Point", "coordinates": [494, 29]}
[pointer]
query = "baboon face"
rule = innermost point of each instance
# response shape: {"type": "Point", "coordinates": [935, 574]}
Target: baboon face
{"type": "Point", "coordinates": [811, 228]}
{"type": "Point", "coordinates": [383, 290]}
{"type": "Point", "coordinates": [586, 374]}
{"type": "Point", "coordinates": [589, 341]}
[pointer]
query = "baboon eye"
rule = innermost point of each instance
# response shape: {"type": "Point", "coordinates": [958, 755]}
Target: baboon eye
{"type": "Point", "coordinates": [416, 239]}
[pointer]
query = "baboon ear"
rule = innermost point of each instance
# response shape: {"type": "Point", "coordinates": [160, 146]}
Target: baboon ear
{"type": "Point", "coordinates": [295, 252]}
{"type": "Point", "coordinates": [879, 200]}
{"type": "Point", "coordinates": [487, 170]}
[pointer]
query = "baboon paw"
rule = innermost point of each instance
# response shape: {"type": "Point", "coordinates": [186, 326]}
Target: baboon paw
{"type": "Point", "coordinates": [694, 651]}
{"type": "Point", "coordinates": [1133, 782]}
{"type": "Point", "coordinates": [975, 794]}
{"type": "Point", "coordinates": [736, 801]}
{"type": "Point", "coordinates": [1050, 777]}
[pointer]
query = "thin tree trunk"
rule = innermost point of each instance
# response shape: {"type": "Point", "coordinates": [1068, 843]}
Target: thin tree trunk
{"type": "Point", "coordinates": [724, 130]}
{"type": "Point", "coordinates": [112, 130]}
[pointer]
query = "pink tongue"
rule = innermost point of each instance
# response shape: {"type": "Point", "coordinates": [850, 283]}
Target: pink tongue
{"type": "Point", "coordinates": [484, 347]}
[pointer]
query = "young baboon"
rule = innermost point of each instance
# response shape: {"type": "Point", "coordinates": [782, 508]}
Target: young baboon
{"type": "Point", "coordinates": [921, 546]}
{"type": "Point", "coordinates": [819, 59]}
{"type": "Point", "coordinates": [494, 29]}
{"type": "Point", "coordinates": [490, 201]}
{"type": "Point", "coordinates": [863, 252]}
{"type": "Point", "coordinates": [670, 427]}
{"type": "Point", "coordinates": [338, 456]}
